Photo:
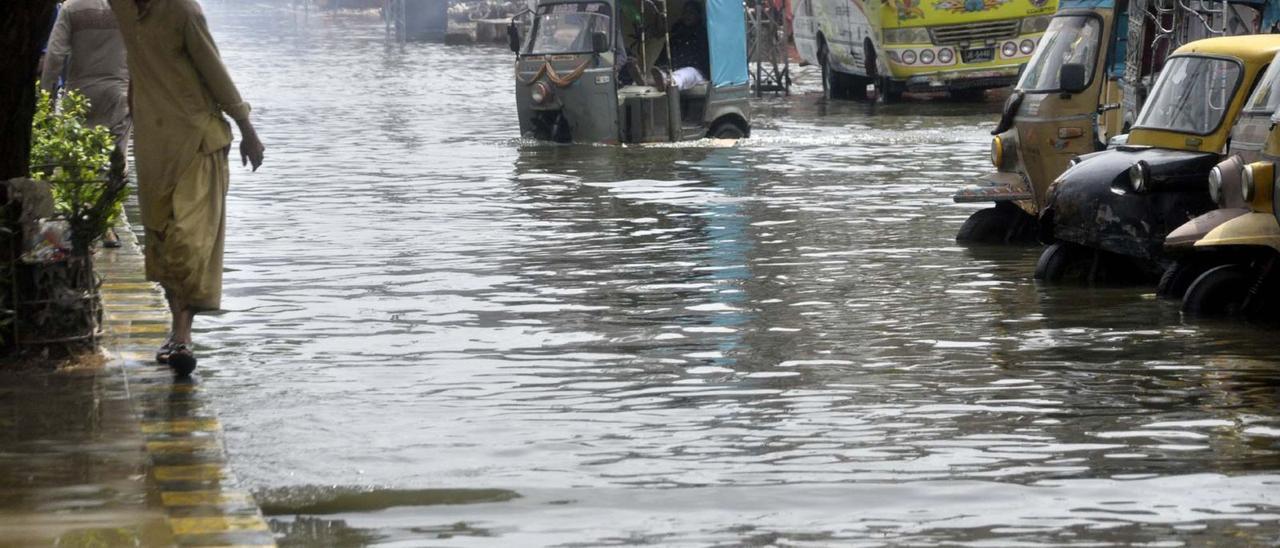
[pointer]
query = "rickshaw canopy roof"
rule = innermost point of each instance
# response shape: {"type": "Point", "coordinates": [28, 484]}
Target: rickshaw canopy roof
{"type": "Point", "coordinates": [1253, 48]}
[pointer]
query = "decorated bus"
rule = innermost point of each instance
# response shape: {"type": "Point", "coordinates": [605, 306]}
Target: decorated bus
{"type": "Point", "coordinates": [961, 46]}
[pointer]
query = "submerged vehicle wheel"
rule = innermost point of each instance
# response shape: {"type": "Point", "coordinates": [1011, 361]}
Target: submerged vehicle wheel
{"type": "Point", "coordinates": [726, 130]}
{"type": "Point", "coordinates": [1002, 224]}
{"type": "Point", "coordinates": [1178, 277]}
{"type": "Point", "coordinates": [1220, 291]}
{"type": "Point", "coordinates": [1064, 261]}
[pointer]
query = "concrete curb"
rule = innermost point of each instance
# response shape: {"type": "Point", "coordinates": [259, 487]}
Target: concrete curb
{"type": "Point", "coordinates": [188, 474]}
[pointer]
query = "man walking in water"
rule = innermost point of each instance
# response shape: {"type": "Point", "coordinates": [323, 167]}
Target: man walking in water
{"type": "Point", "coordinates": [180, 89]}
{"type": "Point", "coordinates": [87, 35]}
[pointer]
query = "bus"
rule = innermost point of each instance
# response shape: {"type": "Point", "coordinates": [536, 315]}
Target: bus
{"type": "Point", "coordinates": [964, 47]}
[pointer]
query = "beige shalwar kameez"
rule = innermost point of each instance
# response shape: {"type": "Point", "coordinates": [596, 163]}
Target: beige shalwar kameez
{"type": "Point", "coordinates": [180, 90]}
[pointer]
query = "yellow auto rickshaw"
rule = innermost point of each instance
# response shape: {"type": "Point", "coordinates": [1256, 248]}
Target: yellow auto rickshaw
{"type": "Point", "coordinates": [1107, 215]}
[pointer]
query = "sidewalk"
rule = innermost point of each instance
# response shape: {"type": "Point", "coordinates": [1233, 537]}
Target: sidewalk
{"type": "Point", "coordinates": [121, 454]}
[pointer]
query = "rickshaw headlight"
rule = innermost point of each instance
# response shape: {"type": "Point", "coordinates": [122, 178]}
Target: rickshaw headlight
{"type": "Point", "coordinates": [539, 93]}
{"type": "Point", "coordinates": [1247, 189]}
{"type": "Point", "coordinates": [997, 152]}
{"type": "Point", "coordinates": [1026, 47]}
{"type": "Point", "coordinates": [1215, 185]}
{"type": "Point", "coordinates": [1259, 180]}
{"type": "Point", "coordinates": [1138, 174]}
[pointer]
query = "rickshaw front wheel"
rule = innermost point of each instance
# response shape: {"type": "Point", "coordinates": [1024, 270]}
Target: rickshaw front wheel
{"type": "Point", "coordinates": [1220, 291]}
{"type": "Point", "coordinates": [1179, 276]}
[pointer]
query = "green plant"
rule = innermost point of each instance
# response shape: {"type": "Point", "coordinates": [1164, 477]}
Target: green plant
{"type": "Point", "coordinates": [76, 159]}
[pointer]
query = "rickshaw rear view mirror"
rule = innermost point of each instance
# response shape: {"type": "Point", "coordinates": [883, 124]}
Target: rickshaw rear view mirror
{"type": "Point", "coordinates": [513, 38]}
{"type": "Point", "coordinates": [599, 42]}
{"type": "Point", "coordinates": [1072, 78]}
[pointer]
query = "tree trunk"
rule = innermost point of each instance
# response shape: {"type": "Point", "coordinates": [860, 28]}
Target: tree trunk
{"type": "Point", "coordinates": [26, 25]}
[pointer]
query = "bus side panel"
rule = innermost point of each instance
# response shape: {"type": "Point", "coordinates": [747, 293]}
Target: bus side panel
{"type": "Point", "coordinates": [830, 20]}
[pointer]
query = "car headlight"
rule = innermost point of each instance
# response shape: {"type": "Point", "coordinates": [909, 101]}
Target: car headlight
{"type": "Point", "coordinates": [1138, 175]}
{"type": "Point", "coordinates": [945, 56]}
{"type": "Point", "coordinates": [1215, 185]}
{"type": "Point", "coordinates": [1009, 49]}
{"type": "Point", "coordinates": [909, 57]}
{"type": "Point", "coordinates": [926, 56]}
{"type": "Point", "coordinates": [1026, 47]}
{"type": "Point", "coordinates": [997, 152]}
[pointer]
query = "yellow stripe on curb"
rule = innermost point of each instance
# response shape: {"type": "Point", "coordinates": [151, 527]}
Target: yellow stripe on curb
{"type": "Point", "coordinates": [181, 426]}
{"type": "Point", "coordinates": [204, 498]}
{"type": "Point", "coordinates": [220, 524]}
{"type": "Point", "coordinates": [190, 472]}
{"type": "Point", "coordinates": [179, 447]}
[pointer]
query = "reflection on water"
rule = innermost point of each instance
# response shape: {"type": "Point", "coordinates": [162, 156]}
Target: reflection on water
{"type": "Point", "coordinates": [686, 344]}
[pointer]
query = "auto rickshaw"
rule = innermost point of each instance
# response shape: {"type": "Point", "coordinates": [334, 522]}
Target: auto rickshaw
{"type": "Point", "coordinates": [1226, 255]}
{"type": "Point", "coordinates": [1253, 133]}
{"type": "Point", "coordinates": [601, 71]}
{"type": "Point", "coordinates": [1083, 87]}
{"type": "Point", "coordinates": [1107, 215]}
{"type": "Point", "coordinates": [1065, 104]}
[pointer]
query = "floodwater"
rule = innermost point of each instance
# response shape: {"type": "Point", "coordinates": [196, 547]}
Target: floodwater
{"type": "Point", "coordinates": [438, 333]}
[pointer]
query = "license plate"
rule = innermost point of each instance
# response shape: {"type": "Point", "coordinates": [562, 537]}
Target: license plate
{"type": "Point", "coordinates": [980, 55]}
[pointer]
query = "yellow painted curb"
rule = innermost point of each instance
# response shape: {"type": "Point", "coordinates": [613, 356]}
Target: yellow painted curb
{"type": "Point", "coordinates": [184, 444]}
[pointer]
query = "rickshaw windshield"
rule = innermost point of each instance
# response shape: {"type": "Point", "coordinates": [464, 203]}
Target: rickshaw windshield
{"type": "Point", "coordinates": [567, 28]}
{"type": "Point", "coordinates": [1191, 96]}
{"type": "Point", "coordinates": [1069, 39]}
{"type": "Point", "coordinates": [1266, 97]}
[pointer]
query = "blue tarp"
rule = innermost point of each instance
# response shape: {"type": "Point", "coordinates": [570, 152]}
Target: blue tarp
{"type": "Point", "coordinates": [727, 37]}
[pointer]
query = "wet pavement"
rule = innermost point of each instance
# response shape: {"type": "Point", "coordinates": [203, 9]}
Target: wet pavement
{"type": "Point", "coordinates": [439, 333]}
{"type": "Point", "coordinates": [113, 451]}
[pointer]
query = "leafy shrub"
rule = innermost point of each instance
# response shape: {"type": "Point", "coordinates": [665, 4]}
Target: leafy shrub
{"type": "Point", "coordinates": [75, 159]}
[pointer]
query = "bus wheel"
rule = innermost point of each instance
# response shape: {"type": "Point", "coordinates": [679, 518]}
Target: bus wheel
{"type": "Point", "coordinates": [1220, 291]}
{"type": "Point", "coordinates": [824, 63]}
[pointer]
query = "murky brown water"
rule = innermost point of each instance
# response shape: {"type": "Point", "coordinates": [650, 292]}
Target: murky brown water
{"type": "Point", "coordinates": [440, 331]}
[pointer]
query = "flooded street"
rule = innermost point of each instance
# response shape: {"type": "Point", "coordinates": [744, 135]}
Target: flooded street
{"type": "Point", "coordinates": [436, 329]}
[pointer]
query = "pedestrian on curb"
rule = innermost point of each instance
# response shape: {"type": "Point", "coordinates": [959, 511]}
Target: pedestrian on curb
{"type": "Point", "coordinates": [179, 92]}
{"type": "Point", "coordinates": [86, 42]}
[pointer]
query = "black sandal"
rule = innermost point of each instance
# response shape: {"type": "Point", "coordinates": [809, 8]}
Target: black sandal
{"type": "Point", "coordinates": [166, 349]}
{"type": "Point", "coordinates": [182, 360]}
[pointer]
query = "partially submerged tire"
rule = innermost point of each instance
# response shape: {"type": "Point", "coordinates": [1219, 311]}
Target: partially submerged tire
{"type": "Point", "coordinates": [1219, 291]}
{"type": "Point", "coordinates": [1001, 224]}
{"type": "Point", "coordinates": [1062, 262]}
{"type": "Point", "coordinates": [727, 130]}
{"type": "Point", "coordinates": [1179, 276]}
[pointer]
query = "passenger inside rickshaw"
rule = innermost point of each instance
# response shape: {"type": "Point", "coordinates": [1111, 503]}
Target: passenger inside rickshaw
{"type": "Point", "coordinates": [643, 59]}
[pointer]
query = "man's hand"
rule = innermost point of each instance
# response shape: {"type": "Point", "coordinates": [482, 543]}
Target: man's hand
{"type": "Point", "coordinates": [251, 148]}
